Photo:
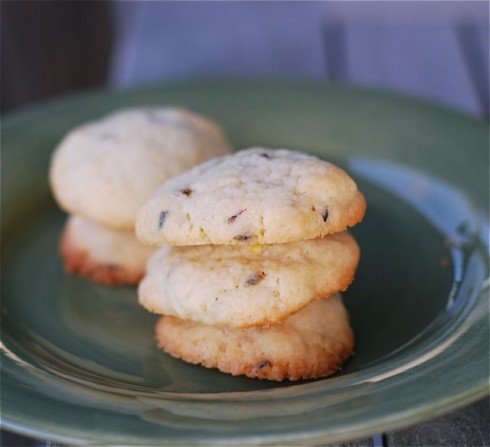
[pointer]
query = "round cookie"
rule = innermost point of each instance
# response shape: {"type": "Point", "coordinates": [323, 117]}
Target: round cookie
{"type": "Point", "coordinates": [312, 343]}
{"type": "Point", "coordinates": [107, 169]}
{"type": "Point", "coordinates": [102, 254]}
{"type": "Point", "coordinates": [258, 195]}
{"type": "Point", "coordinates": [246, 286]}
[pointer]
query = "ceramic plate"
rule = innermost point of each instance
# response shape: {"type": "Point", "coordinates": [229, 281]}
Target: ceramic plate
{"type": "Point", "coordinates": [78, 360]}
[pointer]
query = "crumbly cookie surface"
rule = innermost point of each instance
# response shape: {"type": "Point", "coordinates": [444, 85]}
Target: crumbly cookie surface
{"type": "Point", "coordinates": [102, 254]}
{"type": "Point", "coordinates": [247, 286]}
{"type": "Point", "coordinates": [312, 343]}
{"type": "Point", "coordinates": [257, 195]}
{"type": "Point", "coordinates": [107, 169]}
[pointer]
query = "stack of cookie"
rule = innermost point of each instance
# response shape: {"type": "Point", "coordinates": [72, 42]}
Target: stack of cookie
{"type": "Point", "coordinates": [104, 171]}
{"type": "Point", "coordinates": [257, 254]}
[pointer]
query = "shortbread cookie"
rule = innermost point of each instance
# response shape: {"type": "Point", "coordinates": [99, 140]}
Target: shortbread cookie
{"type": "Point", "coordinates": [310, 344]}
{"type": "Point", "coordinates": [254, 196]}
{"type": "Point", "coordinates": [107, 169]}
{"type": "Point", "coordinates": [246, 286]}
{"type": "Point", "coordinates": [102, 254]}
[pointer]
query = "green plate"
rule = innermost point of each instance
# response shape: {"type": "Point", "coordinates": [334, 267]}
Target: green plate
{"type": "Point", "coordinates": [78, 360]}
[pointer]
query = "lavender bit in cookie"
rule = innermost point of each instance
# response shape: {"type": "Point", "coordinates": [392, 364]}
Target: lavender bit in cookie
{"type": "Point", "coordinates": [233, 218]}
{"type": "Point", "coordinates": [161, 219]}
{"type": "Point", "coordinates": [265, 364]}
{"type": "Point", "coordinates": [243, 237]}
{"type": "Point", "coordinates": [325, 214]}
{"type": "Point", "coordinates": [187, 191]}
{"type": "Point", "coordinates": [255, 278]}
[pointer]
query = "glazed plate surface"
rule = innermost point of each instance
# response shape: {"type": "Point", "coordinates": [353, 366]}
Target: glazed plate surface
{"type": "Point", "coordinates": [79, 363]}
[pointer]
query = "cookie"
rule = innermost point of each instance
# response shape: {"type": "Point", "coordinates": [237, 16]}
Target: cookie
{"type": "Point", "coordinates": [107, 169]}
{"type": "Point", "coordinates": [313, 343]}
{"type": "Point", "coordinates": [102, 254]}
{"type": "Point", "coordinates": [262, 196]}
{"type": "Point", "coordinates": [247, 286]}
